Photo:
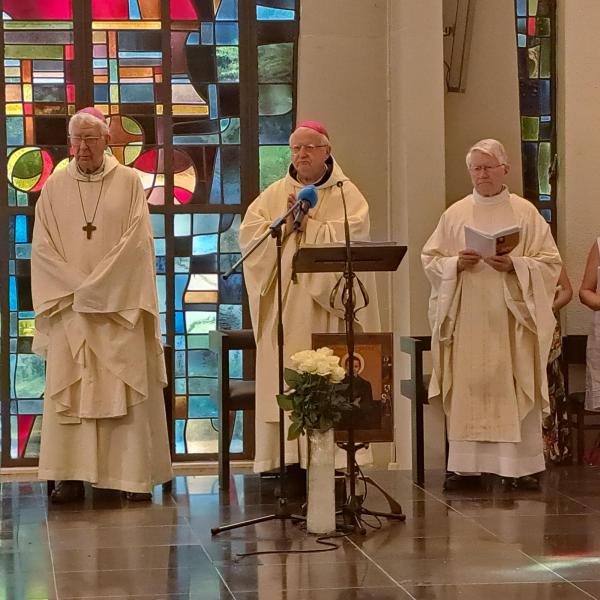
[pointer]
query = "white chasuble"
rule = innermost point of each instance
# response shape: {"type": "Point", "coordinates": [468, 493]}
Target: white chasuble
{"type": "Point", "coordinates": [491, 336]}
{"type": "Point", "coordinates": [97, 325]}
{"type": "Point", "coordinates": [306, 301]}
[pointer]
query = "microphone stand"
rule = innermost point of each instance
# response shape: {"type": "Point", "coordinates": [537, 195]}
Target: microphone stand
{"type": "Point", "coordinates": [353, 508]}
{"type": "Point", "coordinates": [282, 512]}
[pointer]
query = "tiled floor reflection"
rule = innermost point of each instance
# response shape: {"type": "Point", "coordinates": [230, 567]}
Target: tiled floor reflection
{"type": "Point", "coordinates": [480, 544]}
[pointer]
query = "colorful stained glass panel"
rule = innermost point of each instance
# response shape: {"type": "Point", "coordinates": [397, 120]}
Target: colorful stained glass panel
{"type": "Point", "coordinates": [27, 370]}
{"type": "Point", "coordinates": [535, 21]}
{"type": "Point", "coordinates": [180, 126]}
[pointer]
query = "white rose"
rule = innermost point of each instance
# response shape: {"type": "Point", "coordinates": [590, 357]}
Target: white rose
{"type": "Point", "coordinates": [309, 365]}
{"type": "Point", "coordinates": [297, 359]}
{"type": "Point", "coordinates": [333, 361]}
{"type": "Point", "coordinates": [323, 368]}
{"type": "Point", "coordinates": [325, 351]}
{"type": "Point", "coordinates": [300, 356]}
{"type": "Point", "coordinates": [337, 375]}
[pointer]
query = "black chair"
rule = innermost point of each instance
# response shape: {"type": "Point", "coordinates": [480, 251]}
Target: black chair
{"type": "Point", "coordinates": [167, 486]}
{"type": "Point", "coordinates": [573, 353]}
{"type": "Point", "coordinates": [232, 394]}
{"type": "Point", "coordinates": [415, 389]}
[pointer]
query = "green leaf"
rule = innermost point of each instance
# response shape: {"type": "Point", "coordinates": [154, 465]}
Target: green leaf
{"type": "Point", "coordinates": [315, 402]}
{"type": "Point", "coordinates": [292, 378]}
{"type": "Point", "coordinates": [295, 431]}
{"type": "Point", "coordinates": [285, 401]}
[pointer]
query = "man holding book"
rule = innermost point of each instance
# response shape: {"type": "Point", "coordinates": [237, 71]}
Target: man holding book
{"type": "Point", "coordinates": [491, 317]}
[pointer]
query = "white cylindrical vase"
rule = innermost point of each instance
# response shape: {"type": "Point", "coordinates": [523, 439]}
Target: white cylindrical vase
{"type": "Point", "coordinates": [320, 516]}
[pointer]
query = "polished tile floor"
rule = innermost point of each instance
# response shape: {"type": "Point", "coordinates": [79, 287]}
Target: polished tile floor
{"type": "Point", "coordinates": [471, 545]}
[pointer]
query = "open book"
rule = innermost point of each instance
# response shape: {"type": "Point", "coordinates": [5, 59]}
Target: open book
{"type": "Point", "coordinates": [492, 244]}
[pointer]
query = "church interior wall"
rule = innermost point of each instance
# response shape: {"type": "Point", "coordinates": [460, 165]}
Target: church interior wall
{"type": "Point", "coordinates": [372, 71]}
{"type": "Point", "coordinates": [579, 148]}
{"type": "Point", "coordinates": [375, 78]}
{"type": "Point", "coordinates": [489, 106]}
{"type": "Point", "coordinates": [578, 144]}
{"type": "Point", "coordinates": [363, 75]}
{"type": "Point", "coordinates": [417, 190]}
{"type": "Point", "coordinates": [343, 82]}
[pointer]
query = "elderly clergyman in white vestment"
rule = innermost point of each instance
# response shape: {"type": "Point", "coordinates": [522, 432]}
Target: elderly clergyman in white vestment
{"type": "Point", "coordinates": [492, 326]}
{"type": "Point", "coordinates": [306, 307]}
{"type": "Point", "coordinates": [97, 324]}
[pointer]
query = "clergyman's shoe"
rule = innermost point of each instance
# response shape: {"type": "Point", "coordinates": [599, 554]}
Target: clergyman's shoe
{"type": "Point", "coordinates": [454, 482]}
{"type": "Point", "coordinates": [138, 496]}
{"type": "Point", "coordinates": [528, 482]}
{"type": "Point", "coordinates": [67, 491]}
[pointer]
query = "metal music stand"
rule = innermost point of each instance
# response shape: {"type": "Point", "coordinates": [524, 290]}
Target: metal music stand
{"type": "Point", "coordinates": [366, 256]}
{"type": "Point", "coordinates": [348, 259]}
{"type": "Point", "coordinates": [283, 511]}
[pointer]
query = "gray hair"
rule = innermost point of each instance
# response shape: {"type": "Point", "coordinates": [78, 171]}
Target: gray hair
{"type": "Point", "coordinates": [83, 118]}
{"type": "Point", "coordinates": [490, 147]}
{"type": "Point", "coordinates": [323, 139]}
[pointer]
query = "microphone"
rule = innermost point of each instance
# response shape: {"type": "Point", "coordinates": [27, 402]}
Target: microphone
{"type": "Point", "coordinates": [307, 198]}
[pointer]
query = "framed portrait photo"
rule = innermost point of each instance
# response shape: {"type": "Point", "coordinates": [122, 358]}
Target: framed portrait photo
{"type": "Point", "coordinates": [372, 415]}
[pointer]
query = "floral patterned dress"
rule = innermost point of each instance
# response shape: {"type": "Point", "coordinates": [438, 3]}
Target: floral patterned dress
{"type": "Point", "coordinates": [555, 426]}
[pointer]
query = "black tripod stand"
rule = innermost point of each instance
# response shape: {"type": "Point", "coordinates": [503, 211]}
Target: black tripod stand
{"type": "Point", "coordinates": [349, 258]}
{"type": "Point", "coordinates": [282, 511]}
{"type": "Point", "coordinates": [353, 508]}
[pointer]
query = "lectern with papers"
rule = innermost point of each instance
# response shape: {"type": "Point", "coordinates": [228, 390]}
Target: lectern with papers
{"type": "Point", "coordinates": [348, 258]}
{"type": "Point", "coordinates": [366, 256]}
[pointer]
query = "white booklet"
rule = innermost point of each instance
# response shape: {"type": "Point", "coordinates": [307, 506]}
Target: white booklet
{"type": "Point", "coordinates": [492, 244]}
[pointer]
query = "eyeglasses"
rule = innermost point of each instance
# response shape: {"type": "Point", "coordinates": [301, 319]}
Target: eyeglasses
{"type": "Point", "coordinates": [484, 168]}
{"type": "Point", "coordinates": [308, 147]}
{"type": "Point", "coordinates": [89, 140]}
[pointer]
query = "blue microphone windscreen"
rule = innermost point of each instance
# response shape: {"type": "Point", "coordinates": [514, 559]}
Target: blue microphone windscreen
{"type": "Point", "coordinates": [308, 194]}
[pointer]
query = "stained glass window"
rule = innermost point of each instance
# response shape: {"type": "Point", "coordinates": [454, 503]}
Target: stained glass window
{"type": "Point", "coordinates": [275, 85]}
{"type": "Point", "coordinates": [199, 96]}
{"type": "Point", "coordinates": [535, 48]}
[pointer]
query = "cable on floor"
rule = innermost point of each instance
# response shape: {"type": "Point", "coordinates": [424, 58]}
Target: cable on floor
{"type": "Point", "coordinates": [323, 540]}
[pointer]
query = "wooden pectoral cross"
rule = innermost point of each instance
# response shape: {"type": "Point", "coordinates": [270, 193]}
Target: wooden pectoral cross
{"type": "Point", "coordinates": [88, 228]}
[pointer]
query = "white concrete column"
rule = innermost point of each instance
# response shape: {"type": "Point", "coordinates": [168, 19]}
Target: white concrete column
{"type": "Point", "coordinates": [417, 186]}
{"type": "Point", "coordinates": [578, 144]}
{"type": "Point", "coordinates": [343, 81]}
{"type": "Point", "coordinates": [489, 106]}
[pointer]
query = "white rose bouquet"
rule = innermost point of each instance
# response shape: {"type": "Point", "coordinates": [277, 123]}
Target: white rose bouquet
{"type": "Point", "coordinates": [316, 398]}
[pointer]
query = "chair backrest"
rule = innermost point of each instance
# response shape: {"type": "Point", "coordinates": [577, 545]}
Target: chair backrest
{"type": "Point", "coordinates": [416, 387]}
{"type": "Point", "coordinates": [573, 353]}
{"type": "Point", "coordinates": [238, 339]}
{"type": "Point", "coordinates": [573, 349]}
{"type": "Point", "coordinates": [222, 341]}
{"type": "Point", "coordinates": [168, 397]}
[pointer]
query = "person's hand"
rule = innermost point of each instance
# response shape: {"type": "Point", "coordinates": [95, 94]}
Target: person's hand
{"type": "Point", "coordinates": [556, 305]}
{"type": "Point", "coordinates": [467, 259]}
{"type": "Point", "coordinates": [289, 222]}
{"type": "Point", "coordinates": [503, 264]}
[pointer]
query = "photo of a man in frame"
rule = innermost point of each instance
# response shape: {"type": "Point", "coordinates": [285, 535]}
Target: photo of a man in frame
{"type": "Point", "coordinates": [373, 365]}
{"type": "Point", "coordinates": [366, 412]}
